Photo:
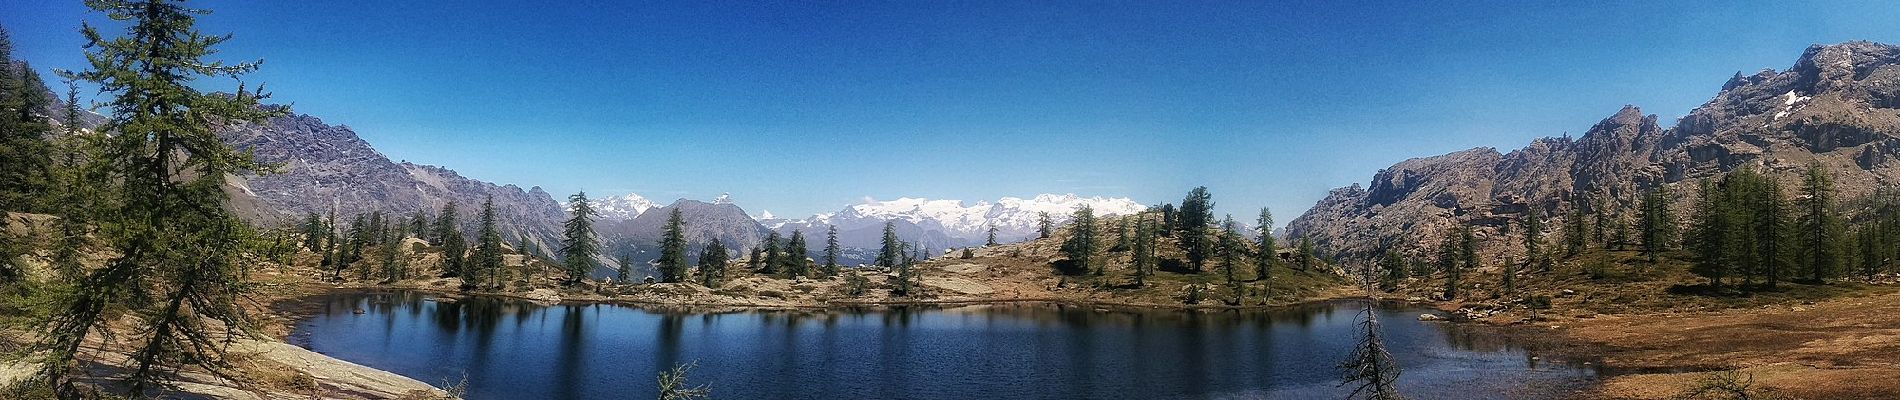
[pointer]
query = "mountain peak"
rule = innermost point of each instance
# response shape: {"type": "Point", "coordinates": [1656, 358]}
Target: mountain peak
{"type": "Point", "coordinates": [622, 207]}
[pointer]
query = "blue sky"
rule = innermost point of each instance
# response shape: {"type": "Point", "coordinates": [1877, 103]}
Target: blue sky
{"type": "Point", "coordinates": [803, 107]}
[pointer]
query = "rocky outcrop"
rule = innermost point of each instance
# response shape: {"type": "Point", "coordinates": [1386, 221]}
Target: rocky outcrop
{"type": "Point", "coordinates": [1839, 105]}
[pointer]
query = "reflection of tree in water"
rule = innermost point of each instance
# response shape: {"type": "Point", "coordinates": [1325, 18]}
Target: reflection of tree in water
{"type": "Point", "coordinates": [1472, 338]}
{"type": "Point", "coordinates": [666, 351]}
{"type": "Point", "coordinates": [568, 368]}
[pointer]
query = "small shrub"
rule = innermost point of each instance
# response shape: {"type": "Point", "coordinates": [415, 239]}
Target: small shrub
{"type": "Point", "coordinates": [1726, 385]}
{"type": "Point", "coordinates": [855, 284]}
{"type": "Point", "coordinates": [673, 385]}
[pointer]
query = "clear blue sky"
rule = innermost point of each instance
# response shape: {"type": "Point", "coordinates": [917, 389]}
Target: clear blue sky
{"type": "Point", "coordinates": [803, 107]}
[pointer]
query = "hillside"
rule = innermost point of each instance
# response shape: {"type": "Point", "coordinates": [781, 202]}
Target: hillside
{"type": "Point", "coordinates": [325, 167]}
{"type": "Point", "coordinates": [1839, 105]}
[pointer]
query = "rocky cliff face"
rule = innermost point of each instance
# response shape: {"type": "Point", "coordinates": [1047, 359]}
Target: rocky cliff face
{"type": "Point", "coordinates": [324, 167]}
{"type": "Point", "coordinates": [1838, 105]}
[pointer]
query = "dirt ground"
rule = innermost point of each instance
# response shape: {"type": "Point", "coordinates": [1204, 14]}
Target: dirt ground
{"type": "Point", "coordinates": [1845, 348]}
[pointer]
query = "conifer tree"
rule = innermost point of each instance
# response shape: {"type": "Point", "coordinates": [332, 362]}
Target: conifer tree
{"type": "Point", "coordinates": [1454, 257]}
{"type": "Point", "coordinates": [1576, 232]}
{"type": "Point", "coordinates": [579, 245]}
{"type": "Point", "coordinates": [625, 271]}
{"type": "Point", "coordinates": [795, 259]}
{"type": "Point", "coordinates": [1714, 234]}
{"type": "Point", "coordinates": [991, 241]}
{"type": "Point", "coordinates": [1508, 277]}
{"type": "Point", "coordinates": [1263, 262]}
{"type": "Point", "coordinates": [1658, 225]}
{"type": "Point", "coordinates": [1144, 250]}
{"type": "Point", "coordinates": [1468, 249]}
{"type": "Point", "coordinates": [1081, 245]}
{"type": "Point", "coordinates": [673, 248]}
{"type": "Point", "coordinates": [395, 266]}
{"type": "Point", "coordinates": [891, 252]}
{"type": "Point", "coordinates": [455, 254]}
{"type": "Point", "coordinates": [1197, 212]}
{"type": "Point", "coordinates": [1765, 209]}
{"type": "Point", "coordinates": [1168, 215]}
{"type": "Point", "coordinates": [313, 232]}
{"type": "Point", "coordinates": [1534, 232]}
{"type": "Point", "coordinates": [1306, 258]}
{"type": "Point", "coordinates": [419, 225]}
{"type": "Point", "coordinates": [905, 274]}
{"type": "Point", "coordinates": [1600, 223]}
{"type": "Point", "coordinates": [1392, 270]}
{"type": "Point", "coordinates": [1818, 226]}
{"type": "Point", "coordinates": [831, 251]}
{"type": "Point", "coordinates": [1044, 226]}
{"type": "Point", "coordinates": [1121, 235]}
{"type": "Point", "coordinates": [176, 261]}
{"type": "Point", "coordinates": [488, 251]}
{"type": "Point", "coordinates": [25, 155]}
{"type": "Point", "coordinates": [1231, 247]}
{"type": "Point", "coordinates": [773, 255]}
{"type": "Point", "coordinates": [1619, 233]}
{"type": "Point", "coordinates": [445, 225]}
{"type": "Point", "coordinates": [330, 258]}
{"type": "Point", "coordinates": [712, 264]}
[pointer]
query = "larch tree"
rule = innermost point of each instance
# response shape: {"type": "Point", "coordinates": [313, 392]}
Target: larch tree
{"type": "Point", "coordinates": [1083, 241]}
{"type": "Point", "coordinates": [1044, 226]}
{"type": "Point", "coordinates": [579, 244]}
{"type": "Point", "coordinates": [712, 264]}
{"type": "Point", "coordinates": [831, 251]}
{"type": "Point", "coordinates": [312, 230]}
{"type": "Point", "coordinates": [176, 262]}
{"type": "Point", "coordinates": [673, 248]}
{"type": "Point", "coordinates": [891, 252]}
{"type": "Point", "coordinates": [1576, 232]}
{"type": "Point", "coordinates": [1144, 259]}
{"type": "Point", "coordinates": [1818, 227]}
{"type": "Point", "coordinates": [1533, 224]}
{"type": "Point", "coordinates": [1658, 224]}
{"type": "Point", "coordinates": [445, 225]}
{"type": "Point", "coordinates": [1267, 252]}
{"type": "Point", "coordinates": [1306, 260]}
{"type": "Point", "coordinates": [1197, 212]}
{"type": "Point", "coordinates": [795, 261]}
{"type": "Point", "coordinates": [773, 255]}
{"type": "Point", "coordinates": [1231, 249]}
{"type": "Point", "coordinates": [26, 164]}
{"type": "Point", "coordinates": [625, 271]}
{"type": "Point", "coordinates": [1392, 270]}
{"type": "Point", "coordinates": [488, 250]}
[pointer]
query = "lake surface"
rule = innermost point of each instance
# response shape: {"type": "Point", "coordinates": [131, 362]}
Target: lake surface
{"type": "Point", "coordinates": [517, 350]}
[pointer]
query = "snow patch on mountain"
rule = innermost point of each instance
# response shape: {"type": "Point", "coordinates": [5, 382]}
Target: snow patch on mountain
{"type": "Point", "coordinates": [623, 207]}
{"type": "Point", "coordinates": [968, 223]}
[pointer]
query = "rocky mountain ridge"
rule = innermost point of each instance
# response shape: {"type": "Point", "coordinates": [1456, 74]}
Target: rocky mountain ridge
{"type": "Point", "coordinates": [324, 167]}
{"type": "Point", "coordinates": [1839, 105]}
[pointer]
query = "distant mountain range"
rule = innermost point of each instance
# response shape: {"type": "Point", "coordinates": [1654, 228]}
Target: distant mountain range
{"type": "Point", "coordinates": [324, 167]}
{"type": "Point", "coordinates": [1839, 105]}
{"type": "Point", "coordinates": [632, 223]}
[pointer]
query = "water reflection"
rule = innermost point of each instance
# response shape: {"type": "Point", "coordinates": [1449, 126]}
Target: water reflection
{"type": "Point", "coordinates": [1004, 351]}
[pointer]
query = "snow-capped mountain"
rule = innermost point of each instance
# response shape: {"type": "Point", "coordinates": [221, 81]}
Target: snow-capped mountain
{"type": "Point", "coordinates": [622, 208]}
{"type": "Point", "coordinates": [953, 223]}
